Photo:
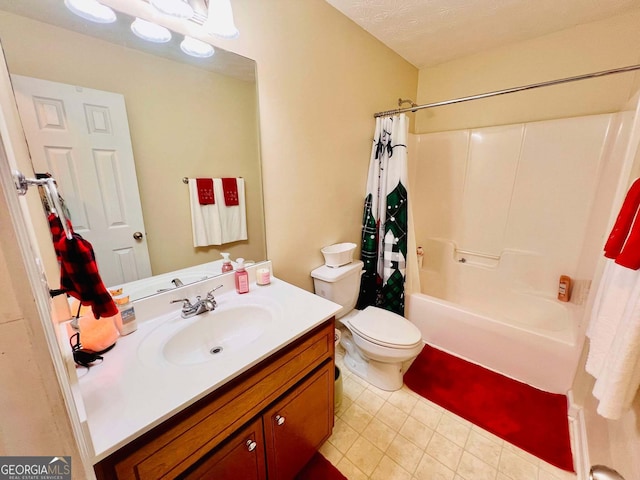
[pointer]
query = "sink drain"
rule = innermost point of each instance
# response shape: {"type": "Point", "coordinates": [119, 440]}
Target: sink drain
{"type": "Point", "coordinates": [215, 350]}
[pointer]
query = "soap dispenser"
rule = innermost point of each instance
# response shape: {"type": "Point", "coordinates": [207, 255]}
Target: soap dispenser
{"type": "Point", "coordinates": [226, 263]}
{"type": "Point", "coordinates": [242, 277]}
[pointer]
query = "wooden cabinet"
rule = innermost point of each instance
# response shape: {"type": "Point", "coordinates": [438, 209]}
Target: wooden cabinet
{"type": "Point", "coordinates": [284, 404]}
{"type": "Point", "coordinates": [241, 457]}
{"type": "Point", "coordinates": [295, 427]}
{"type": "Point", "coordinates": [289, 432]}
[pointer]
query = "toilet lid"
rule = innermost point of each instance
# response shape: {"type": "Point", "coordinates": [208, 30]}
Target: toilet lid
{"type": "Point", "coordinates": [385, 328]}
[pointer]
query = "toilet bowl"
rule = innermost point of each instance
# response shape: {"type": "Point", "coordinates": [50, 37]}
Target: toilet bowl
{"type": "Point", "coordinates": [380, 345]}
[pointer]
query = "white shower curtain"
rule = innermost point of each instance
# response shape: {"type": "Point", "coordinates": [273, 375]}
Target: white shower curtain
{"type": "Point", "coordinates": [384, 223]}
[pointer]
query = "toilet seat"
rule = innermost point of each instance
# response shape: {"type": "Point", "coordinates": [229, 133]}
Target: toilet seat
{"type": "Point", "coordinates": [374, 323]}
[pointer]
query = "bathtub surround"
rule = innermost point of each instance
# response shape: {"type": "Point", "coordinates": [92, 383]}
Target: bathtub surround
{"type": "Point", "coordinates": [504, 211]}
{"type": "Point", "coordinates": [523, 189]}
{"type": "Point", "coordinates": [384, 223]}
{"type": "Point", "coordinates": [529, 418]}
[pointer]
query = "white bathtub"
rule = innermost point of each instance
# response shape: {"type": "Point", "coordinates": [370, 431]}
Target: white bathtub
{"type": "Point", "coordinates": [540, 350]}
{"type": "Point", "coordinates": [470, 311]}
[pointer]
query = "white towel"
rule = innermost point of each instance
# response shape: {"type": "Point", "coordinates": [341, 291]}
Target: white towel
{"type": "Point", "coordinates": [614, 333]}
{"type": "Point", "coordinates": [205, 219]}
{"type": "Point", "coordinates": [233, 219]}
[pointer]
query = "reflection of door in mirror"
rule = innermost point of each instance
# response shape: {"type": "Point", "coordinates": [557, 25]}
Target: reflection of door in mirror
{"type": "Point", "coordinates": [81, 136]}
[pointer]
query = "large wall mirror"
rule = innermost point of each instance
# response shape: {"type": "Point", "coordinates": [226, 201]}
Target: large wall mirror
{"type": "Point", "coordinates": [187, 117]}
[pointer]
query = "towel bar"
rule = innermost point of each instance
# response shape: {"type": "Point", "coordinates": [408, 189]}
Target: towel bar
{"type": "Point", "coordinates": [185, 180]}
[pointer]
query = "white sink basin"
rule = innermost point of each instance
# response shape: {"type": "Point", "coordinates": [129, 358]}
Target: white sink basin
{"type": "Point", "coordinates": [214, 334]}
{"type": "Point", "coordinates": [207, 337]}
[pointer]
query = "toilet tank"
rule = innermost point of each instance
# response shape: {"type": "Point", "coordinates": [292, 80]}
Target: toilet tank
{"type": "Point", "coordinates": [340, 284]}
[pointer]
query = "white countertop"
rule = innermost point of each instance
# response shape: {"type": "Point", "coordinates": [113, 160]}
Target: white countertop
{"type": "Point", "coordinates": [131, 391]}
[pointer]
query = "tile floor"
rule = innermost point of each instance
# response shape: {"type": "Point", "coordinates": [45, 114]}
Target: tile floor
{"type": "Point", "coordinates": [399, 435]}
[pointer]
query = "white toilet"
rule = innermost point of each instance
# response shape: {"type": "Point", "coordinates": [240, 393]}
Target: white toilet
{"type": "Point", "coordinates": [380, 345]}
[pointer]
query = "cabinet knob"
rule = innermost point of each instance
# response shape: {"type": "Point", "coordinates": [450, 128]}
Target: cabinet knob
{"type": "Point", "coordinates": [251, 445]}
{"type": "Point", "coordinates": [279, 419]}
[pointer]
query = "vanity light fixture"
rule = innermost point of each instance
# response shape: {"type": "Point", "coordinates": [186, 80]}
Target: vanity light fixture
{"type": "Point", "coordinates": [175, 8]}
{"type": "Point", "coordinates": [91, 10]}
{"type": "Point", "coordinates": [196, 48]}
{"type": "Point", "coordinates": [220, 19]}
{"type": "Point", "coordinates": [150, 31]}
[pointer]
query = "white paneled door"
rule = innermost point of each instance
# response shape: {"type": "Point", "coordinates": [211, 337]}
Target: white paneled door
{"type": "Point", "coordinates": [81, 136]}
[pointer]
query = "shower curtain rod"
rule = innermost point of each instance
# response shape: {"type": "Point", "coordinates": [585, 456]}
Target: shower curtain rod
{"type": "Point", "coordinates": [414, 107]}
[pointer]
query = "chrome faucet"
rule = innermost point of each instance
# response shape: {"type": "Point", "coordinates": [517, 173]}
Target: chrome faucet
{"type": "Point", "coordinates": [199, 306]}
{"type": "Point", "coordinates": [177, 282]}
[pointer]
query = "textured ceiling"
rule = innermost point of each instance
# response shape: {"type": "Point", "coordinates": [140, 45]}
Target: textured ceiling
{"type": "Point", "coordinates": [429, 32]}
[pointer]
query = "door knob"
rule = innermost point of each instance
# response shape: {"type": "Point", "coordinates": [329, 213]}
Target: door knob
{"type": "Point", "coordinates": [279, 419]}
{"type": "Point", "coordinates": [251, 445]}
{"type": "Point", "coordinates": [137, 236]}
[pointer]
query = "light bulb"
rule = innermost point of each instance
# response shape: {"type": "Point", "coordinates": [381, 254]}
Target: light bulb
{"type": "Point", "coordinates": [150, 31]}
{"type": "Point", "coordinates": [91, 10]}
{"type": "Point", "coordinates": [175, 8]}
{"type": "Point", "coordinates": [196, 48]}
{"type": "Point", "coordinates": [220, 19]}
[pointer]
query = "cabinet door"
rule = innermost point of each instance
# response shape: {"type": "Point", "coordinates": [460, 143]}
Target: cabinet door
{"type": "Point", "coordinates": [241, 457]}
{"type": "Point", "coordinates": [297, 425]}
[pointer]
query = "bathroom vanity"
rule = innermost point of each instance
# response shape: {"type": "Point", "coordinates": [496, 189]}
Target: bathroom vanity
{"type": "Point", "coordinates": [259, 410]}
{"type": "Point", "coordinates": [270, 419]}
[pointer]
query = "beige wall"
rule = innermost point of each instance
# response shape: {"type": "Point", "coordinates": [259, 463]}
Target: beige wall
{"type": "Point", "coordinates": [582, 49]}
{"type": "Point", "coordinates": [320, 80]}
{"type": "Point", "coordinates": [184, 121]}
{"type": "Point", "coordinates": [34, 420]}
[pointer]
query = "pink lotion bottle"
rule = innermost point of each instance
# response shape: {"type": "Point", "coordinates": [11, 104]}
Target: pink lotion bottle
{"type": "Point", "coordinates": [242, 277]}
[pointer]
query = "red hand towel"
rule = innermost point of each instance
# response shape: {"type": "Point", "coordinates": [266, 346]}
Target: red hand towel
{"type": "Point", "coordinates": [230, 188]}
{"type": "Point", "coordinates": [205, 191]}
{"type": "Point", "coordinates": [630, 255]}
{"type": "Point", "coordinates": [79, 275]}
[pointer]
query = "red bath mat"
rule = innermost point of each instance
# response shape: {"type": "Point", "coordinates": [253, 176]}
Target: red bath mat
{"type": "Point", "coordinates": [319, 468]}
{"type": "Point", "coordinates": [524, 416]}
